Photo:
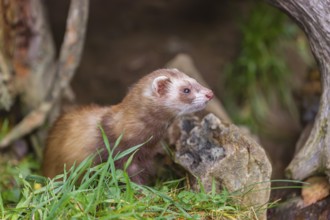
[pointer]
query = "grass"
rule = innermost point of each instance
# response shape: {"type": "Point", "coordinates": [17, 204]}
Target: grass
{"type": "Point", "coordinates": [101, 196]}
{"type": "Point", "coordinates": [260, 76]}
{"type": "Point", "coordinates": [4, 128]}
{"type": "Point", "coordinates": [105, 192]}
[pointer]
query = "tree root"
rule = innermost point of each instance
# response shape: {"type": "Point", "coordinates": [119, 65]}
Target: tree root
{"type": "Point", "coordinates": [313, 16]}
{"type": "Point", "coordinates": [69, 59]}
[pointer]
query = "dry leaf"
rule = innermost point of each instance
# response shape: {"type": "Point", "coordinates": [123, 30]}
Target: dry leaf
{"type": "Point", "coordinates": [318, 188]}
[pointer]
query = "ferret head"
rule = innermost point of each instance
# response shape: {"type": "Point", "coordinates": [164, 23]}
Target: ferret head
{"type": "Point", "coordinates": [177, 91]}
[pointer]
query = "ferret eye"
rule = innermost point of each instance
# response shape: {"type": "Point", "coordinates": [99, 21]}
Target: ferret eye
{"type": "Point", "coordinates": [186, 90]}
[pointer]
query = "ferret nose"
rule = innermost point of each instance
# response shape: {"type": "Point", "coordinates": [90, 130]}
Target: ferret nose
{"type": "Point", "coordinates": [209, 95]}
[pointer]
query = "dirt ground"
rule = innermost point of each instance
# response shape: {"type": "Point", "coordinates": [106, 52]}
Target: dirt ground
{"type": "Point", "coordinates": [127, 39]}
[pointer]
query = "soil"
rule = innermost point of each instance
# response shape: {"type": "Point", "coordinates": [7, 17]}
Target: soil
{"type": "Point", "coordinates": [127, 39]}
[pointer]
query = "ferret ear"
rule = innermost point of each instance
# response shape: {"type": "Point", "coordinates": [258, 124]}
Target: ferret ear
{"type": "Point", "coordinates": [160, 85]}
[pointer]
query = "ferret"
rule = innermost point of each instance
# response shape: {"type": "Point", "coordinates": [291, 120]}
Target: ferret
{"type": "Point", "coordinates": [145, 112]}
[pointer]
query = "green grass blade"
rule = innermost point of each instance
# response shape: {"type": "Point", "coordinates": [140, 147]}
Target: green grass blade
{"type": "Point", "coordinates": [129, 160]}
{"type": "Point", "coordinates": [105, 139]}
{"type": "Point", "coordinates": [118, 141]}
{"type": "Point", "coordinates": [110, 160]}
{"type": "Point", "coordinates": [165, 197]}
{"type": "Point", "coordinates": [214, 187]}
{"type": "Point", "coordinates": [4, 128]}
{"type": "Point", "coordinates": [2, 209]}
{"type": "Point", "coordinates": [36, 178]}
{"type": "Point", "coordinates": [130, 150]}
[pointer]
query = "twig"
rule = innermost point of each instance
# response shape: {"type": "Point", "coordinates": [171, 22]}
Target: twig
{"type": "Point", "coordinates": [36, 117]}
{"type": "Point", "coordinates": [72, 46]}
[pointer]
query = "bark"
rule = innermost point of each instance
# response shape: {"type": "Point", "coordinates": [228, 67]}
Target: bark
{"type": "Point", "coordinates": [64, 70]}
{"type": "Point", "coordinates": [72, 46]}
{"type": "Point", "coordinates": [27, 53]}
{"type": "Point", "coordinates": [313, 17]}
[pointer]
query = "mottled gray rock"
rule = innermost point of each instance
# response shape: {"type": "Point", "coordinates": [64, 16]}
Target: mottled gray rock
{"type": "Point", "coordinates": [209, 150]}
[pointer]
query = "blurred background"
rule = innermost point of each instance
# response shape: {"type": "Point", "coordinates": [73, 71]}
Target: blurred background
{"type": "Point", "coordinates": [253, 56]}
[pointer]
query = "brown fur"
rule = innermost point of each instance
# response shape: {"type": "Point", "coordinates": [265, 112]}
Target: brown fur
{"type": "Point", "coordinates": [76, 135]}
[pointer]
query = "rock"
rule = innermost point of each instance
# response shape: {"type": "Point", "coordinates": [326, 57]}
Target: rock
{"type": "Point", "coordinates": [317, 188]}
{"type": "Point", "coordinates": [211, 150]}
{"type": "Point", "coordinates": [292, 209]}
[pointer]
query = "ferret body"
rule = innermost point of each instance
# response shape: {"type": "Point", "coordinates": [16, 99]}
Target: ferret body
{"type": "Point", "coordinates": [146, 111]}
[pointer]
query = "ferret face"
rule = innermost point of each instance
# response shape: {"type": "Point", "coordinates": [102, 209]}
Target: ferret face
{"type": "Point", "coordinates": [182, 93]}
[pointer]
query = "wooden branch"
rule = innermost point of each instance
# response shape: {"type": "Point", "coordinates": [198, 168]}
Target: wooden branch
{"type": "Point", "coordinates": [313, 17]}
{"type": "Point", "coordinates": [27, 51]}
{"type": "Point", "coordinates": [72, 46]}
{"type": "Point", "coordinates": [69, 59]}
{"type": "Point", "coordinates": [32, 120]}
